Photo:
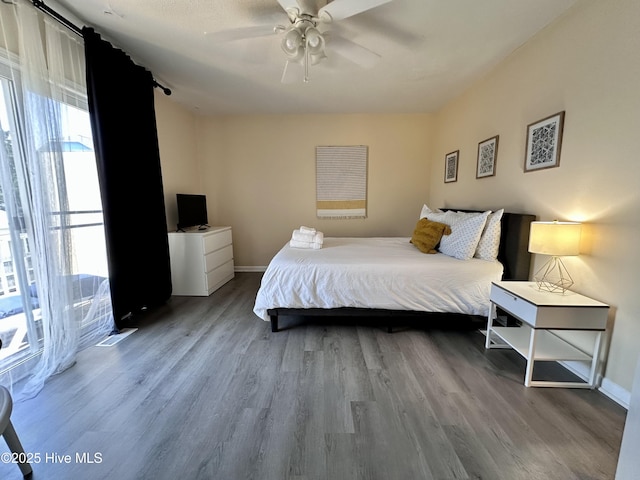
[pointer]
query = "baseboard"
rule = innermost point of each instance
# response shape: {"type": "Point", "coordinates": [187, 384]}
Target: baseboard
{"type": "Point", "coordinates": [611, 389]}
{"type": "Point", "coordinates": [249, 268]}
{"type": "Point", "coordinates": [616, 393]}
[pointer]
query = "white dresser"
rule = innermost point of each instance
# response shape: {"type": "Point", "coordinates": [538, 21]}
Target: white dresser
{"type": "Point", "coordinates": [201, 260]}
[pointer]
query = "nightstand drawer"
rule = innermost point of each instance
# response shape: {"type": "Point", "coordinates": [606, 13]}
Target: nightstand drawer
{"type": "Point", "coordinates": [514, 305]}
{"type": "Point", "coordinates": [540, 309]}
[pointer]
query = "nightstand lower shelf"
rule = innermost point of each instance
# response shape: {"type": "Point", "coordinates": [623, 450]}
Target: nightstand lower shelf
{"type": "Point", "coordinates": [549, 347]}
{"type": "Point", "coordinates": [542, 345]}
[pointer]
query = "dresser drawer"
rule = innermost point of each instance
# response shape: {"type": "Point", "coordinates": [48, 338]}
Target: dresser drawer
{"type": "Point", "coordinates": [218, 257]}
{"type": "Point", "coordinates": [219, 276]}
{"type": "Point", "coordinates": [515, 305]}
{"type": "Point", "coordinates": [216, 241]}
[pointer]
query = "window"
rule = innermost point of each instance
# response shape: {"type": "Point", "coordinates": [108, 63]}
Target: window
{"type": "Point", "coordinates": [78, 212]}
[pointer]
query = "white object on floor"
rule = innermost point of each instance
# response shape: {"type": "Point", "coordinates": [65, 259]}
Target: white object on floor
{"type": "Point", "coordinates": [111, 340]}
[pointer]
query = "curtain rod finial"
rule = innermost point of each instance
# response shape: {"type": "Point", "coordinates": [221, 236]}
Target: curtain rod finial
{"type": "Point", "coordinates": [167, 91]}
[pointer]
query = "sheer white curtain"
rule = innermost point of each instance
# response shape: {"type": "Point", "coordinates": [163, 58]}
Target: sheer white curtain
{"type": "Point", "coordinates": [73, 298]}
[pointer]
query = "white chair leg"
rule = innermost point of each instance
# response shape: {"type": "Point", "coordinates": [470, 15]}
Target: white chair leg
{"type": "Point", "coordinates": [13, 442]}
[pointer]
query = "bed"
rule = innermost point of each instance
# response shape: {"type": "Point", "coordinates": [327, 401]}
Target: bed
{"type": "Point", "coordinates": [388, 277]}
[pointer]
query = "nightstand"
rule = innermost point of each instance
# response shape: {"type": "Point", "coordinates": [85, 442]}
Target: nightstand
{"type": "Point", "coordinates": [542, 313]}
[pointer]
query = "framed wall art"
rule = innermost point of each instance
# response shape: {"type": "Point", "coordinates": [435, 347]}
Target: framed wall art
{"type": "Point", "coordinates": [451, 166]}
{"type": "Point", "coordinates": [544, 140]}
{"type": "Point", "coordinates": [487, 156]}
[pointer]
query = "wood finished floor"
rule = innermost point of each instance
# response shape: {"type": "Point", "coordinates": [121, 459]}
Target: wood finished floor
{"type": "Point", "coordinates": [204, 390]}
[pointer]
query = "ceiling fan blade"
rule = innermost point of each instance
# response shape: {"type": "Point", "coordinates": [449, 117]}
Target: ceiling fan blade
{"type": "Point", "coordinates": [352, 51]}
{"type": "Point", "coordinates": [340, 9]}
{"type": "Point", "coordinates": [242, 33]}
{"type": "Point", "coordinates": [289, 4]}
{"type": "Point", "coordinates": [292, 73]}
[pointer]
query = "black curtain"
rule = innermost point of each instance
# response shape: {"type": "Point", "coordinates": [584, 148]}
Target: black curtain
{"type": "Point", "coordinates": [122, 111]}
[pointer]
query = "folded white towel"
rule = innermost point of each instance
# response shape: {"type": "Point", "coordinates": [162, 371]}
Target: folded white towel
{"type": "Point", "coordinates": [304, 229]}
{"type": "Point", "coordinates": [302, 237]}
{"type": "Point", "coordinates": [300, 244]}
{"type": "Point", "coordinates": [299, 236]}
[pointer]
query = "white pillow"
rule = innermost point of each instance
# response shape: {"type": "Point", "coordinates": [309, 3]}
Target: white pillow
{"type": "Point", "coordinates": [426, 211]}
{"type": "Point", "coordinates": [466, 230]}
{"type": "Point", "coordinates": [489, 243]}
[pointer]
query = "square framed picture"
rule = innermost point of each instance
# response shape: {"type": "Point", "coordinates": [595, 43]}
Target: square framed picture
{"type": "Point", "coordinates": [544, 140]}
{"type": "Point", "coordinates": [487, 156]}
{"type": "Point", "coordinates": [451, 166]}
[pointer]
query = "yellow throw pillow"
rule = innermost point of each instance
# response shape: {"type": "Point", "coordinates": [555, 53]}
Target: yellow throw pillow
{"type": "Point", "coordinates": [427, 235]}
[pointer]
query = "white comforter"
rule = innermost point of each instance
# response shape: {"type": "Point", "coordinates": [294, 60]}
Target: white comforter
{"type": "Point", "coordinates": [387, 273]}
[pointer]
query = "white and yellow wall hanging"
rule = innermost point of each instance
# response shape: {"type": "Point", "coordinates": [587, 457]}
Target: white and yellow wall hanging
{"type": "Point", "coordinates": [341, 181]}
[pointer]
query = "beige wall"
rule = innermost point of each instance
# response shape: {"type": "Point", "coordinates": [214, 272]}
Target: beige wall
{"type": "Point", "coordinates": [8, 28]}
{"type": "Point", "coordinates": [178, 153]}
{"type": "Point", "coordinates": [259, 174]}
{"type": "Point", "coordinates": [586, 64]}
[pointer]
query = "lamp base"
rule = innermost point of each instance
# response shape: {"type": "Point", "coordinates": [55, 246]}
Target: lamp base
{"type": "Point", "coordinates": [553, 277]}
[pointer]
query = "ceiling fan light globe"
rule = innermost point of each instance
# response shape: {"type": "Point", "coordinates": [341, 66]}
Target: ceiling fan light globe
{"type": "Point", "coordinates": [292, 41]}
{"type": "Point", "coordinates": [313, 36]}
{"type": "Point", "coordinates": [314, 41]}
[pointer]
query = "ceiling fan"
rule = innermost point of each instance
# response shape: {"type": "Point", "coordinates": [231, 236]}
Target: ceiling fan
{"type": "Point", "coordinates": [305, 39]}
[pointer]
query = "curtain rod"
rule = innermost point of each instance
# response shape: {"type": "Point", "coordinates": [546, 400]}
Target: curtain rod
{"type": "Point", "coordinates": [40, 5]}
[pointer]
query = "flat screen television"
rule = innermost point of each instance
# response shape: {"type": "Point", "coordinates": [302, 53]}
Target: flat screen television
{"type": "Point", "coordinates": [192, 211]}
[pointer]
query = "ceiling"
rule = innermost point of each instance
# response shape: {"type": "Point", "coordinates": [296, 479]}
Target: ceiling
{"type": "Point", "coordinates": [431, 51]}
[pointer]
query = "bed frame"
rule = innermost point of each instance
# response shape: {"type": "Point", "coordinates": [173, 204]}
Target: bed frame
{"type": "Point", "coordinates": [513, 253]}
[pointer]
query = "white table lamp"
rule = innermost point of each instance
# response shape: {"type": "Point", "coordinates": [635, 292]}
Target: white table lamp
{"type": "Point", "coordinates": [557, 239]}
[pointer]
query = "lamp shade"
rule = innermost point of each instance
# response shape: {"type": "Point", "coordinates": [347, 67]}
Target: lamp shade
{"type": "Point", "coordinates": [555, 238]}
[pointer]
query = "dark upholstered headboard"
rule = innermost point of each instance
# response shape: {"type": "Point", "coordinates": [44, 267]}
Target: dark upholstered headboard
{"type": "Point", "coordinates": [514, 243]}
